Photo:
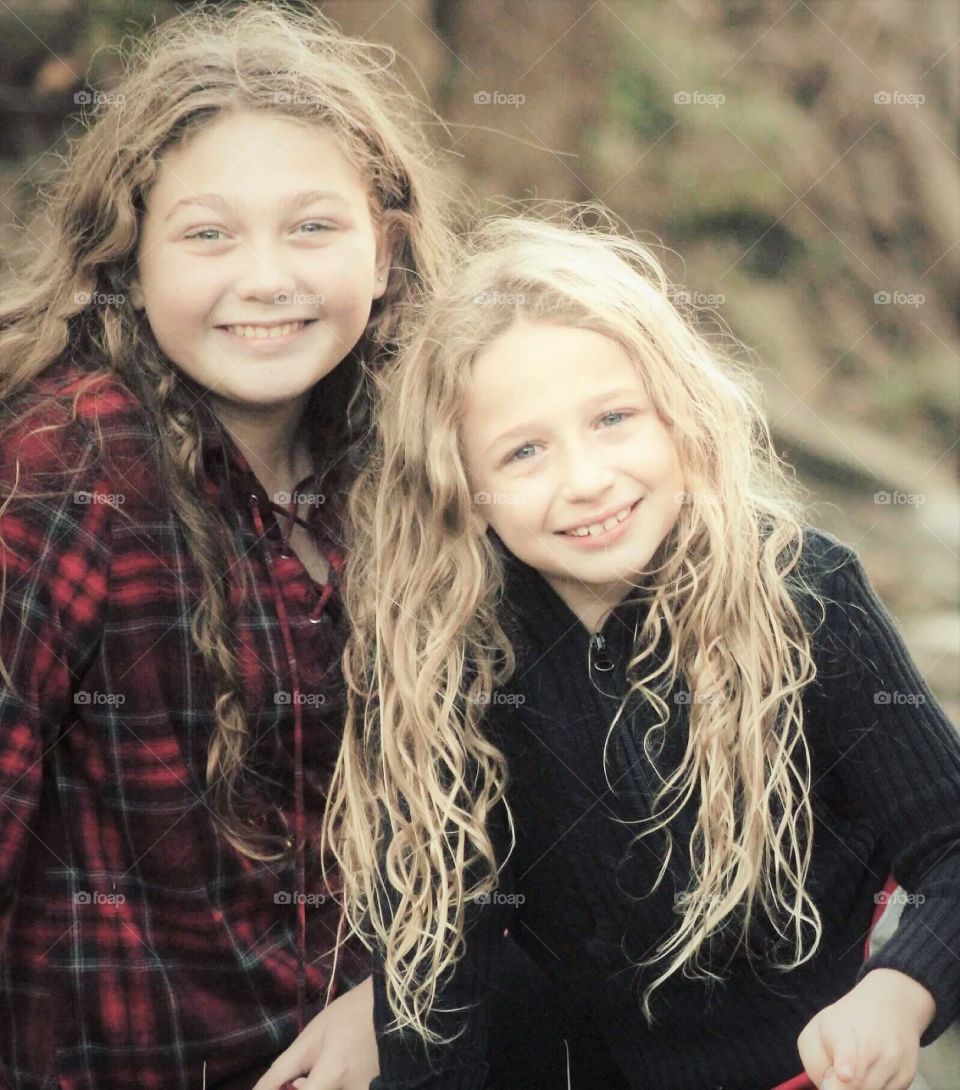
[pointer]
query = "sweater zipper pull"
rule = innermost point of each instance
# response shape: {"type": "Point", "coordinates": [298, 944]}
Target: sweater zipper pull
{"type": "Point", "coordinates": [599, 656]}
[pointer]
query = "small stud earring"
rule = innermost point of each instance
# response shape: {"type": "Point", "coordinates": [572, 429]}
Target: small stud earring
{"type": "Point", "coordinates": [380, 279]}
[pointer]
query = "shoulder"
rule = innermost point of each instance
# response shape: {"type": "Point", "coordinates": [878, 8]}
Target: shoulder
{"type": "Point", "coordinates": [816, 580]}
{"type": "Point", "coordinates": [822, 555]}
{"type": "Point", "coordinates": [75, 428]}
{"type": "Point", "coordinates": [855, 638]}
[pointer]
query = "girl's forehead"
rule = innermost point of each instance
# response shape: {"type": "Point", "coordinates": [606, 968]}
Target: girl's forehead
{"type": "Point", "coordinates": [557, 369]}
{"type": "Point", "coordinates": [241, 155]}
{"type": "Point", "coordinates": [530, 348]}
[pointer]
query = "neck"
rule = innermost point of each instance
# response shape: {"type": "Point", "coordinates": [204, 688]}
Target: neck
{"type": "Point", "coordinates": [593, 605]}
{"type": "Point", "coordinates": [271, 439]}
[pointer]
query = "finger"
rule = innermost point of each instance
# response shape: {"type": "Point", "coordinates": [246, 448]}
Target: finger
{"type": "Point", "coordinates": [831, 1082]}
{"type": "Point", "coordinates": [846, 1059]}
{"type": "Point", "coordinates": [325, 1076]}
{"type": "Point", "coordinates": [890, 1074]}
{"type": "Point", "coordinates": [842, 1046]}
{"type": "Point", "coordinates": [813, 1055]}
{"type": "Point", "coordinates": [285, 1068]}
{"type": "Point", "coordinates": [875, 1074]}
{"type": "Point", "coordinates": [904, 1071]}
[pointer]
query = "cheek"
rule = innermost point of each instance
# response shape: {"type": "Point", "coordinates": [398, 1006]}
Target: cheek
{"type": "Point", "coordinates": [518, 510]}
{"type": "Point", "coordinates": [176, 292]}
{"type": "Point", "coordinates": [347, 276]}
{"type": "Point", "coordinates": [664, 458]}
{"type": "Point", "coordinates": [677, 474]}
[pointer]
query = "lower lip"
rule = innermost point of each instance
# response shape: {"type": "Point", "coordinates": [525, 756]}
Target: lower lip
{"type": "Point", "coordinates": [265, 344]}
{"type": "Point", "coordinates": [608, 537]}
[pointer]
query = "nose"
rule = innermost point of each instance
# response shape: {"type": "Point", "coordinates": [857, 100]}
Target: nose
{"type": "Point", "coordinates": [586, 474]}
{"type": "Point", "coordinates": [266, 275]}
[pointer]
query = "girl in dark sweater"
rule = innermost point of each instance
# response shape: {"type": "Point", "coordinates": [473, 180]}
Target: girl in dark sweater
{"type": "Point", "coordinates": [608, 692]}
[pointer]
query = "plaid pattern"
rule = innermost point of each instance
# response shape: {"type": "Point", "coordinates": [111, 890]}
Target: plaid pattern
{"type": "Point", "coordinates": [138, 948]}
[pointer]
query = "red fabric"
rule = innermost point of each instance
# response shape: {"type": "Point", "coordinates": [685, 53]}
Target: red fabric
{"type": "Point", "coordinates": [801, 1082]}
{"type": "Point", "coordinates": [138, 949]}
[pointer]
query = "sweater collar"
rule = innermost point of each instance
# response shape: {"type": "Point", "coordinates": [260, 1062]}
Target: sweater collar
{"type": "Point", "coordinates": [546, 619]}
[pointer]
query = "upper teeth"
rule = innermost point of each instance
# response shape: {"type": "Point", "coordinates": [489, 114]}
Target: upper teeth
{"type": "Point", "coordinates": [265, 330]}
{"type": "Point", "coordinates": [596, 528]}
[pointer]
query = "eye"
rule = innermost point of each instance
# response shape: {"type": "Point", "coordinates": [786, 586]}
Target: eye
{"type": "Point", "coordinates": [515, 456]}
{"type": "Point", "coordinates": [205, 231]}
{"type": "Point", "coordinates": [320, 227]}
{"type": "Point", "coordinates": [619, 414]}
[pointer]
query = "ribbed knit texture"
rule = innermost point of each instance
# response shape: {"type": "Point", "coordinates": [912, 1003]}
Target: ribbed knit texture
{"type": "Point", "coordinates": [886, 772]}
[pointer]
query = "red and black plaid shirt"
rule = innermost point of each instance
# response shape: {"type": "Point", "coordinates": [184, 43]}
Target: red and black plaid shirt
{"type": "Point", "coordinates": [137, 949]}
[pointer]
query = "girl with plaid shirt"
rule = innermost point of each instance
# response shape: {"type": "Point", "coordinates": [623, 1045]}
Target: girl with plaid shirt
{"type": "Point", "coordinates": [184, 372]}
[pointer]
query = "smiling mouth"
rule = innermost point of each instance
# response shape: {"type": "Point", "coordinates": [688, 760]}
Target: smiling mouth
{"type": "Point", "coordinates": [267, 332]}
{"type": "Point", "coordinates": [596, 529]}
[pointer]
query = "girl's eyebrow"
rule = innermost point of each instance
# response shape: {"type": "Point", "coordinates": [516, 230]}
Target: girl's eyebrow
{"type": "Point", "coordinates": [529, 426]}
{"type": "Point", "coordinates": [521, 429]}
{"type": "Point", "coordinates": [295, 200]}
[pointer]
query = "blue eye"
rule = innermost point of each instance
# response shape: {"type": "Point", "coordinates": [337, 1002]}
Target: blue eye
{"type": "Point", "coordinates": [316, 223]}
{"type": "Point", "coordinates": [526, 446]}
{"type": "Point", "coordinates": [205, 231]}
{"type": "Point", "coordinates": [618, 413]}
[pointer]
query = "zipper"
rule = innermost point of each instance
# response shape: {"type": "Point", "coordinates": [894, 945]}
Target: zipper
{"type": "Point", "coordinates": [600, 658]}
{"type": "Point", "coordinates": [598, 655]}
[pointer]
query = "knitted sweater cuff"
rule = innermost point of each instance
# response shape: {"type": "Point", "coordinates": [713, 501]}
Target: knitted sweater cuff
{"type": "Point", "coordinates": [934, 973]}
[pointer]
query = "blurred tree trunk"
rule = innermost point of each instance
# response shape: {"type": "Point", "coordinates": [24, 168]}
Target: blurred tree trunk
{"type": "Point", "coordinates": [522, 86]}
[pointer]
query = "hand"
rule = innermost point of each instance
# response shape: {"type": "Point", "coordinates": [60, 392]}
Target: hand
{"type": "Point", "coordinates": [336, 1051]}
{"type": "Point", "coordinates": [869, 1039]}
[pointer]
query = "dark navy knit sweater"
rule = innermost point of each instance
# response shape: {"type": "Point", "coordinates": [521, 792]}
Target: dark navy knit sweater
{"type": "Point", "coordinates": [886, 791]}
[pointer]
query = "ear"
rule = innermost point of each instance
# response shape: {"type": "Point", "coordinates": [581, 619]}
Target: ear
{"type": "Point", "coordinates": [476, 509]}
{"type": "Point", "coordinates": [389, 236]}
{"type": "Point", "coordinates": [136, 295]}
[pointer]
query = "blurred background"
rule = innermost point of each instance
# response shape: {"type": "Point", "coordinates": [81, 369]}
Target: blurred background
{"type": "Point", "coordinates": [796, 164]}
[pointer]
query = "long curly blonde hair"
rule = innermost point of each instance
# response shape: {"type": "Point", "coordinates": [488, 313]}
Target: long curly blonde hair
{"type": "Point", "coordinates": [82, 248]}
{"type": "Point", "coordinates": [417, 777]}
